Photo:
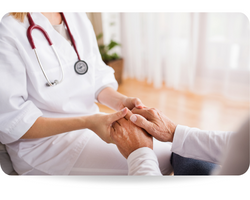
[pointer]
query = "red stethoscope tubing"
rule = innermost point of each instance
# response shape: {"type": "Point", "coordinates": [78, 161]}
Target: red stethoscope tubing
{"type": "Point", "coordinates": [31, 28]}
{"type": "Point", "coordinates": [70, 35]}
{"type": "Point", "coordinates": [35, 26]}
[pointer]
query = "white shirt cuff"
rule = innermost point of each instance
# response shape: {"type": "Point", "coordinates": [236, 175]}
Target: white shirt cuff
{"type": "Point", "coordinates": [179, 138]}
{"type": "Point", "coordinates": [143, 161]}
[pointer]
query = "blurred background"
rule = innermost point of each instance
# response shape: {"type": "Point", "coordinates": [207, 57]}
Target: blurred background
{"type": "Point", "coordinates": [194, 67]}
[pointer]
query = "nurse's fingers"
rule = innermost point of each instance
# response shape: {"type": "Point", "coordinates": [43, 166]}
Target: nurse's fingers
{"type": "Point", "coordinates": [116, 116]}
{"type": "Point", "coordinates": [137, 102]}
{"type": "Point", "coordinates": [127, 116]}
{"type": "Point", "coordinates": [116, 126]}
{"type": "Point", "coordinates": [122, 121]}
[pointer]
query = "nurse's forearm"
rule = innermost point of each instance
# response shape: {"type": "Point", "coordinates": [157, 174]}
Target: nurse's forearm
{"type": "Point", "coordinates": [45, 127]}
{"type": "Point", "coordinates": [111, 98]}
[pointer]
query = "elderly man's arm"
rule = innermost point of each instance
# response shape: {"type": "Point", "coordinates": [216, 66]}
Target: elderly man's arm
{"type": "Point", "coordinates": [143, 161]}
{"type": "Point", "coordinates": [187, 142]}
{"type": "Point", "coordinates": [136, 145]}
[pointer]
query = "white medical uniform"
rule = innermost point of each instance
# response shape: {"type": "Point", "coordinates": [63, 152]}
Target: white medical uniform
{"type": "Point", "coordinates": [25, 97]}
{"type": "Point", "coordinates": [228, 149]}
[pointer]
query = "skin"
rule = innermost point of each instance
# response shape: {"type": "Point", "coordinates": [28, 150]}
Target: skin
{"type": "Point", "coordinates": [54, 18]}
{"type": "Point", "coordinates": [99, 123]}
{"type": "Point", "coordinates": [136, 129]}
{"type": "Point", "coordinates": [109, 97]}
{"type": "Point", "coordinates": [155, 123]}
{"type": "Point", "coordinates": [128, 137]}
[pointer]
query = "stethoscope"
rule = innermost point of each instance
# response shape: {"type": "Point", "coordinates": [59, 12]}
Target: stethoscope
{"type": "Point", "coordinates": [80, 66]}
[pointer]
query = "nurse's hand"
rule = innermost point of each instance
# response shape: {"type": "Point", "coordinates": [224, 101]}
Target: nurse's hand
{"type": "Point", "coordinates": [132, 102]}
{"type": "Point", "coordinates": [129, 137]}
{"type": "Point", "coordinates": [101, 124]}
{"type": "Point", "coordinates": [155, 123]}
{"type": "Point", "coordinates": [117, 101]}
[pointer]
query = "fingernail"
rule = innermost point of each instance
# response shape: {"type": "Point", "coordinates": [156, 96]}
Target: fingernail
{"type": "Point", "coordinates": [133, 118]}
{"type": "Point", "coordinates": [124, 110]}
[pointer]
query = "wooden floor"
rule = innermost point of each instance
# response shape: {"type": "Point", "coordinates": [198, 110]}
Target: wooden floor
{"type": "Point", "coordinates": [204, 112]}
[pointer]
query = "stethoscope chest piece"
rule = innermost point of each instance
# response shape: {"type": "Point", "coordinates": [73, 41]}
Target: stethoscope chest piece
{"type": "Point", "coordinates": [81, 67]}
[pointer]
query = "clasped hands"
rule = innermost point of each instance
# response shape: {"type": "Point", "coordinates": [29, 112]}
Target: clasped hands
{"type": "Point", "coordinates": [138, 128]}
{"type": "Point", "coordinates": [133, 129]}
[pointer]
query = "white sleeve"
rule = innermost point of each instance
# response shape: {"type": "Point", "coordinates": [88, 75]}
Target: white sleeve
{"type": "Point", "coordinates": [17, 114]}
{"type": "Point", "coordinates": [104, 74]}
{"type": "Point", "coordinates": [143, 161]}
{"type": "Point", "coordinates": [200, 144]}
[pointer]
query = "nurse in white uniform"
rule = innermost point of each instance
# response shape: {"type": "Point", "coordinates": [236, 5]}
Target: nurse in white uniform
{"type": "Point", "coordinates": [58, 130]}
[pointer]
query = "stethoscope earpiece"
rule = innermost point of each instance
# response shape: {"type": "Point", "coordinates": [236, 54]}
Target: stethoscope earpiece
{"type": "Point", "coordinates": [52, 83]}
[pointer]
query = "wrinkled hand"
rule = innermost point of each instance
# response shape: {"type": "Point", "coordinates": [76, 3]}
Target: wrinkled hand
{"type": "Point", "coordinates": [129, 137]}
{"type": "Point", "coordinates": [101, 123]}
{"type": "Point", "coordinates": [155, 123]}
{"type": "Point", "coordinates": [132, 102]}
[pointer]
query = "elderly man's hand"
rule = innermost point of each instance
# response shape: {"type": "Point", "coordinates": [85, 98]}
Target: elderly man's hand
{"type": "Point", "coordinates": [129, 137]}
{"type": "Point", "coordinates": [155, 123]}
